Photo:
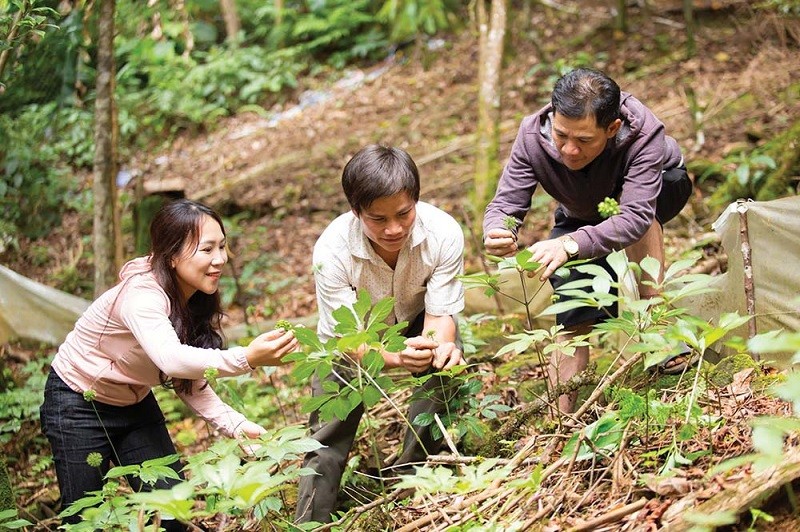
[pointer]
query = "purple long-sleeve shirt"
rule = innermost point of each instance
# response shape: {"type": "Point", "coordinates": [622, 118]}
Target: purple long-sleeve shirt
{"type": "Point", "coordinates": [635, 157]}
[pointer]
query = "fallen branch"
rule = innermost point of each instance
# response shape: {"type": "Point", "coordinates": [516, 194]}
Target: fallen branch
{"type": "Point", "coordinates": [360, 510]}
{"type": "Point", "coordinates": [745, 494]}
{"type": "Point", "coordinates": [610, 517]}
{"type": "Point", "coordinates": [519, 418]}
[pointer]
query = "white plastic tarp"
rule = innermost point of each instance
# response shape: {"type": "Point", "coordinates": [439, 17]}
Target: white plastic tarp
{"type": "Point", "coordinates": [773, 229]}
{"type": "Point", "coordinates": [33, 311]}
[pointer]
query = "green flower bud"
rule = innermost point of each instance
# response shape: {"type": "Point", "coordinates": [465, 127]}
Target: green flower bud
{"type": "Point", "coordinates": [94, 459]}
{"type": "Point", "coordinates": [284, 324]}
{"type": "Point", "coordinates": [110, 488]}
{"type": "Point", "coordinates": [89, 395]}
{"type": "Point", "coordinates": [608, 208]}
{"type": "Point", "coordinates": [510, 223]}
{"type": "Point", "coordinates": [211, 374]}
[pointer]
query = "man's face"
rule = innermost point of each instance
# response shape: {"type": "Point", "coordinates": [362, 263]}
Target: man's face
{"type": "Point", "coordinates": [388, 222]}
{"type": "Point", "coordinates": [580, 140]}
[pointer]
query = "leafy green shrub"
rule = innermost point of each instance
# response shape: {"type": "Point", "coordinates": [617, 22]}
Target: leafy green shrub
{"type": "Point", "coordinates": [160, 91]}
{"type": "Point", "coordinates": [33, 184]}
{"type": "Point", "coordinates": [410, 18]}
{"type": "Point", "coordinates": [763, 173]}
{"type": "Point", "coordinates": [220, 483]}
{"type": "Point", "coordinates": [334, 32]}
{"type": "Point", "coordinates": [35, 82]}
{"type": "Point", "coordinates": [19, 405]}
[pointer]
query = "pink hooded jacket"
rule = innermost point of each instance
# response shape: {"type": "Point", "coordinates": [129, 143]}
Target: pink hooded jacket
{"type": "Point", "coordinates": [125, 337]}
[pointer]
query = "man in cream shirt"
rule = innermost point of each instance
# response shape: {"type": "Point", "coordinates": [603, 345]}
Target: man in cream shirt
{"type": "Point", "coordinates": [391, 245]}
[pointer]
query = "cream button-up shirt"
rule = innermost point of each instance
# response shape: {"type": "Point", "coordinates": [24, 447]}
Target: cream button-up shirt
{"type": "Point", "coordinates": [423, 279]}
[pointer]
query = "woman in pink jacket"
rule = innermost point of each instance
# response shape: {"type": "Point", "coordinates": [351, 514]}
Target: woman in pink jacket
{"type": "Point", "coordinates": [159, 325]}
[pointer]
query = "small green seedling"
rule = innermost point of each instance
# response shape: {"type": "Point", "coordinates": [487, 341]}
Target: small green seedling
{"type": "Point", "coordinates": [431, 334]}
{"type": "Point", "coordinates": [510, 223]}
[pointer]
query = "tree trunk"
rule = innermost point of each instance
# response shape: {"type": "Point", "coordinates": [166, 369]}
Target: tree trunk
{"type": "Point", "coordinates": [12, 34]}
{"type": "Point", "coordinates": [7, 501]}
{"type": "Point", "coordinates": [492, 37]}
{"type": "Point", "coordinates": [232, 22]}
{"type": "Point", "coordinates": [688, 16]}
{"type": "Point", "coordinates": [107, 233]}
{"type": "Point", "coordinates": [622, 16]}
{"type": "Point", "coordinates": [278, 12]}
{"type": "Point", "coordinates": [188, 36]}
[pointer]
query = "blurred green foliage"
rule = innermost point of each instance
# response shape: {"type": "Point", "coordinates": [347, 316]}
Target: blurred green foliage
{"type": "Point", "coordinates": [176, 71]}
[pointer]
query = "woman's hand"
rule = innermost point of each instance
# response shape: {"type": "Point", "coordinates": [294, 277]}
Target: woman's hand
{"type": "Point", "coordinates": [268, 348]}
{"type": "Point", "coordinates": [252, 431]}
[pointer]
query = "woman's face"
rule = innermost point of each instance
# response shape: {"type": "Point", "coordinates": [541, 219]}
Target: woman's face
{"type": "Point", "coordinates": [200, 267]}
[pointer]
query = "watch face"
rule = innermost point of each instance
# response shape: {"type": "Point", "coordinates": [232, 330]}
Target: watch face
{"type": "Point", "coordinates": [570, 246]}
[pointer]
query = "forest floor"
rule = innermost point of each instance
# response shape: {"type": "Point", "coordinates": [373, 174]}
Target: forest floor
{"type": "Point", "coordinates": [277, 181]}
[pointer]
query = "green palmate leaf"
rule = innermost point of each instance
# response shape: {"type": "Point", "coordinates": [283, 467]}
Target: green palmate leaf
{"type": "Point", "coordinates": [308, 338]}
{"type": "Point", "coordinates": [362, 305]}
{"type": "Point", "coordinates": [774, 342]}
{"type": "Point", "coordinates": [371, 396]}
{"type": "Point", "coordinates": [525, 262]}
{"type": "Point", "coordinates": [346, 321]}
{"type": "Point", "coordinates": [732, 320]}
{"type": "Point", "coordinates": [353, 341]}
{"type": "Point", "coordinates": [380, 312]}
{"type": "Point", "coordinates": [715, 519]}
{"type": "Point", "coordinates": [790, 390]}
{"type": "Point", "coordinates": [303, 370]}
{"type": "Point", "coordinates": [393, 340]}
{"type": "Point", "coordinates": [339, 407]}
{"type": "Point", "coordinates": [423, 419]}
{"type": "Point", "coordinates": [522, 342]}
{"type": "Point", "coordinates": [651, 266]}
{"type": "Point", "coordinates": [594, 270]}
{"type": "Point", "coordinates": [329, 386]}
{"type": "Point", "coordinates": [572, 285]}
{"type": "Point", "coordinates": [91, 499]}
{"type": "Point", "coordinates": [473, 280]}
{"type": "Point", "coordinates": [354, 398]}
{"type": "Point", "coordinates": [121, 471]}
{"type": "Point", "coordinates": [563, 306]}
{"type": "Point", "coordinates": [316, 403]}
{"type": "Point", "coordinates": [373, 362]}
{"type": "Point", "coordinates": [677, 267]}
{"type": "Point", "coordinates": [385, 383]}
{"type": "Point", "coordinates": [601, 284]}
{"type": "Point", "coordinates": [152, 474]}
{"type": "Point", "coordinates": [769, 433]}
{"type": "Point", "coordinates": [618, 262]}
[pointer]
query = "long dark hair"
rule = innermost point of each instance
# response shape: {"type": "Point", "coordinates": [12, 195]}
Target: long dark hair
{"type": "Point", "coordinates": [197, 321]}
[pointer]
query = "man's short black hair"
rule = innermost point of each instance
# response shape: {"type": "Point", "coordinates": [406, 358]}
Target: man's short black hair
{"type": "Point", "coordinates": [585, 92]}
{"type": "Point", "coordinates": [376, 172]}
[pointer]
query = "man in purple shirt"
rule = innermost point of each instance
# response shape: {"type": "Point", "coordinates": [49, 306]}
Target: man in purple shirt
{"type": "Point", "coordinates": [591, 142]}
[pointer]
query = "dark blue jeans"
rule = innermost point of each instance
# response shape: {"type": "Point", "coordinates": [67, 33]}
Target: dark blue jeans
{"type": "Point", "coordinates": [123, 435]}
